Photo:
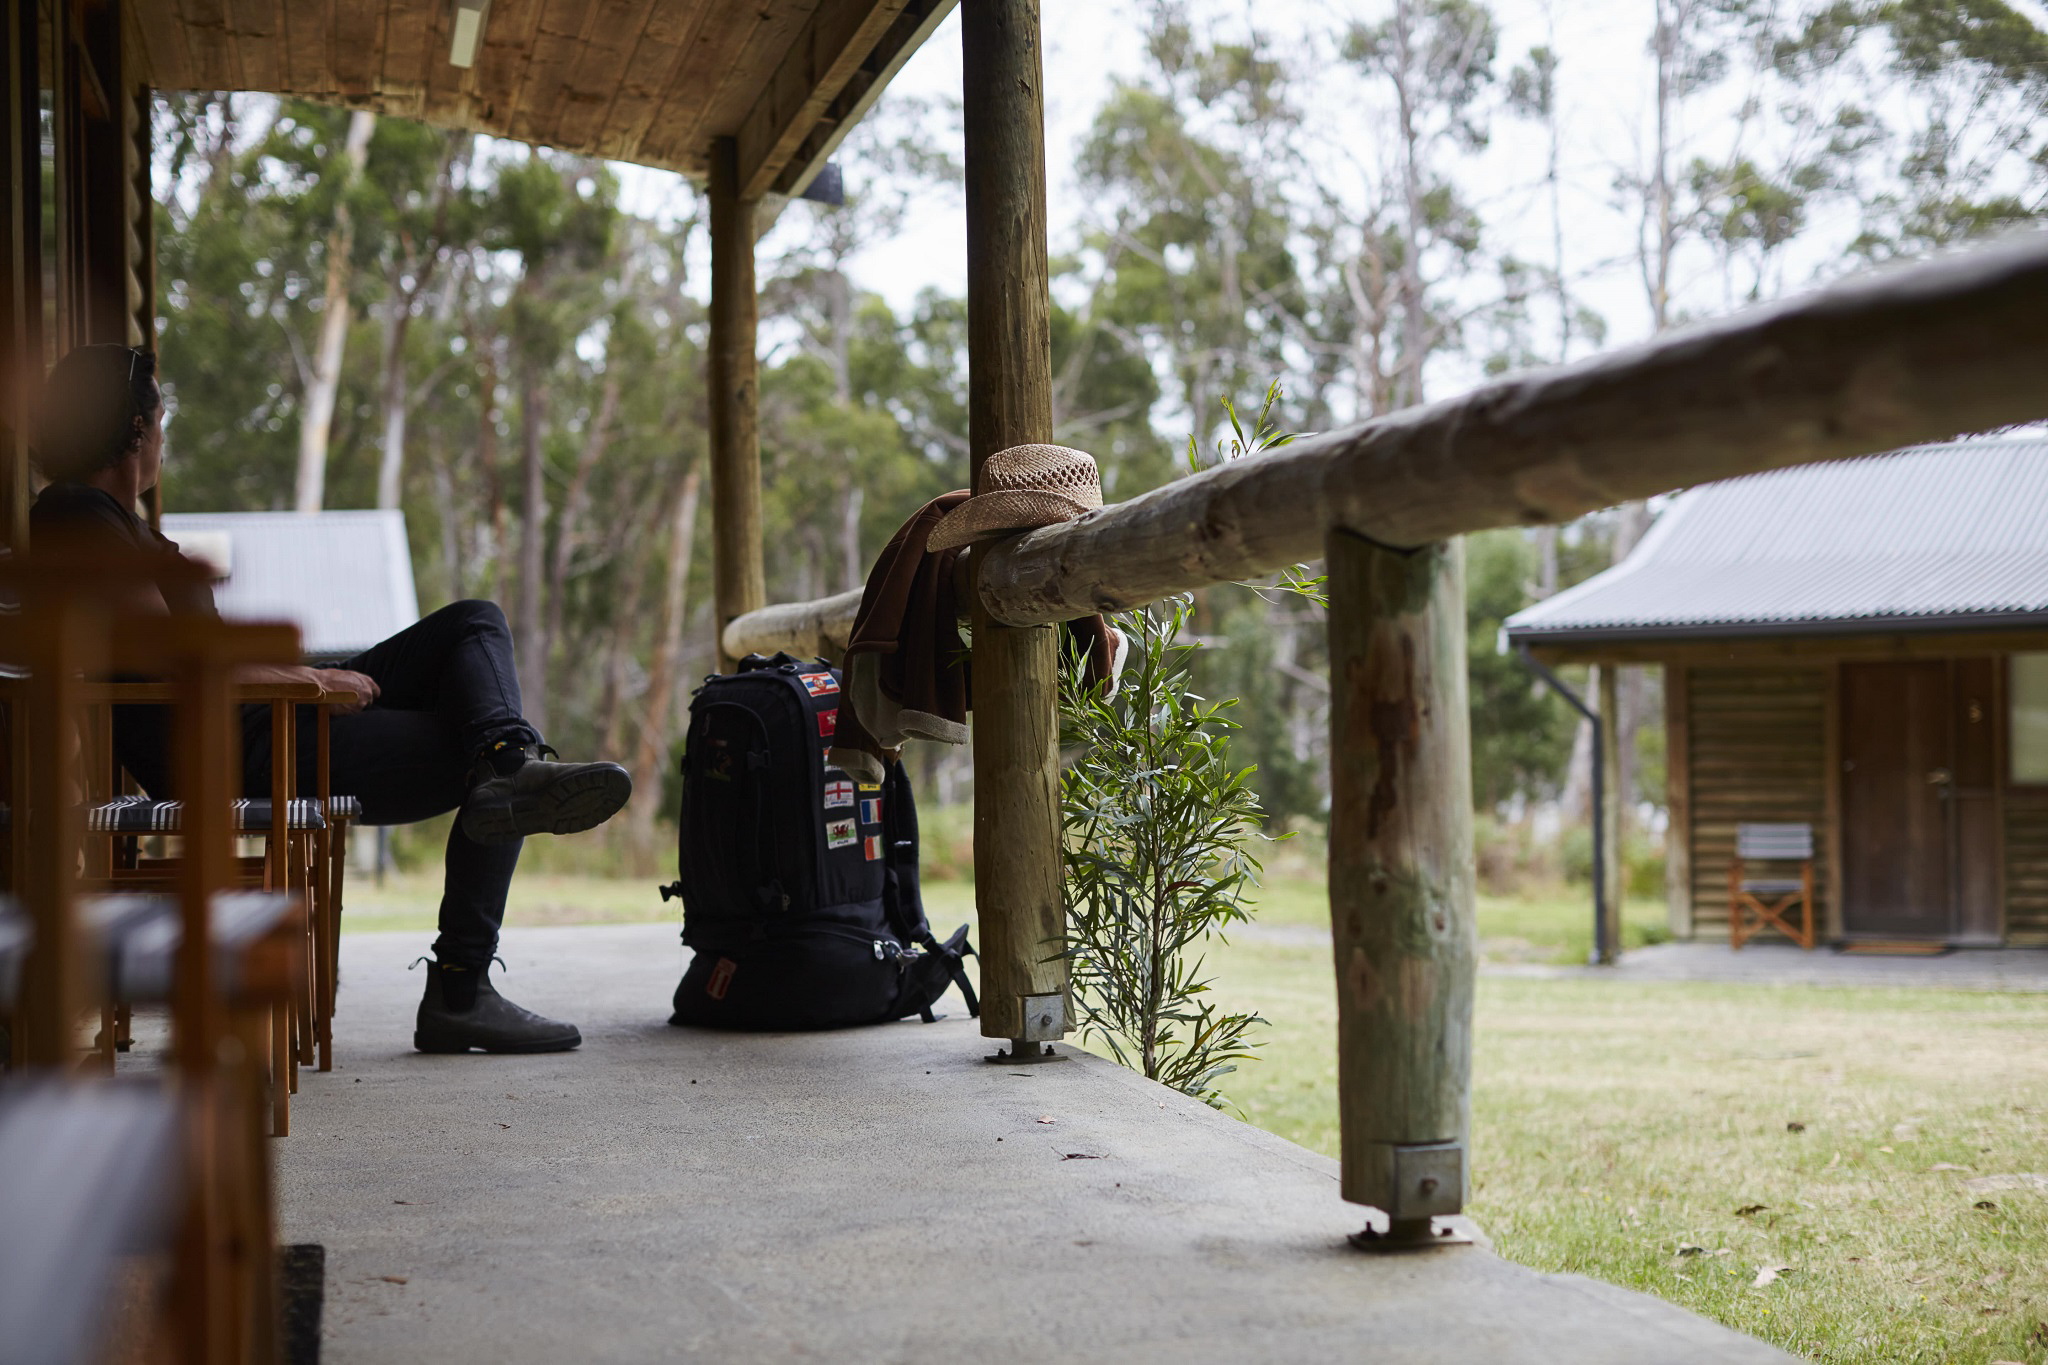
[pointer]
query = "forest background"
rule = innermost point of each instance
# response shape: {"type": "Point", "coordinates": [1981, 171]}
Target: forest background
{"type": "Point", "coordinates": [1371, 204]}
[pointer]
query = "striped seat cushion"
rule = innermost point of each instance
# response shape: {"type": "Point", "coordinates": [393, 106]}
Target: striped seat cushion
{"type": "Point", "coordinates": [344, 808]}
{"type": "Point", "coordinates": [17, 932]}
{"type": "Point", "coordinates": [138, 937]}
{"type": "Point", "coordinates": [141, 815]}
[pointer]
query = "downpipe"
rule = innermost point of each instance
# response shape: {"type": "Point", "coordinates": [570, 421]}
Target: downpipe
{"type": "Point", "coordinates": [1604, 953]}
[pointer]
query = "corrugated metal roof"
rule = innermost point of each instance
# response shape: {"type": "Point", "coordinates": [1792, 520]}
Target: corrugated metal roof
{"type": "Point", "coordinates": [1918, 537]}
{"type": "Point", "coordinates": [344, 577]}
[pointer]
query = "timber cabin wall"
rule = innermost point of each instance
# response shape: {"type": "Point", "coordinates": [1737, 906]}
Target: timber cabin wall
{"type": "Point", "coordinates": [1756, 749]}
{"type": "Point", "coordinates": [2026, 866]}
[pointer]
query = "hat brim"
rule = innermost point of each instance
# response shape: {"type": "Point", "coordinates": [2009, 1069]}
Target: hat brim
{"type": "Point", "coordinates": [999, 513]}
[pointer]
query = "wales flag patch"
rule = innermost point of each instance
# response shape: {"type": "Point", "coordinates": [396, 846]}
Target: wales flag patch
{"type": "Point", "coordinates": [842, 834]}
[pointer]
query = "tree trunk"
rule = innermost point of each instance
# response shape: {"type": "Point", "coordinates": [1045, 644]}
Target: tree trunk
{"type": "Point", "coordinates": [391, 459]}
{"type": "Point", "coordinates": [849, 534]}
{"type": "Point", "coordinates": [667, 665]}
{"type": "Point", "coordinates": [533, 515]}
{"type": "Point", "coordinates": [574, 504]}
{"type": "Point", "coordinates": [316, 417]}
{"type": "Point", "coordinates": [1414, 327]}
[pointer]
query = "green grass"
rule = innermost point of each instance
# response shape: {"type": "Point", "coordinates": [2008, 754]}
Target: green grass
{"type": "Point", "coordinates": [1615, 1123]}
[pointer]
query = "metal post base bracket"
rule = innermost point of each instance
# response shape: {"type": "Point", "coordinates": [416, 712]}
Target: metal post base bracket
{"type": "Point", "coordinates": [1024, 1052]}
{"type": "Point", "coordinates": [1409, 1234]}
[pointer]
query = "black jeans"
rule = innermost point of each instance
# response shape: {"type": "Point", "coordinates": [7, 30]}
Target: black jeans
{"type": "Point", "coordinates": [449, 689]}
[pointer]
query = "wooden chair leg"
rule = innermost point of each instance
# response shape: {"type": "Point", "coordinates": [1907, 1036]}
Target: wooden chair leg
{"type": "Point", "coordinates": [305, 1008]}
{"type": "Point", "coordinates": [280, 1071]}
{"type": "Point", "coordinates": [1735, 905]}
{"type": "Point", "coordinates": [1806, 940]}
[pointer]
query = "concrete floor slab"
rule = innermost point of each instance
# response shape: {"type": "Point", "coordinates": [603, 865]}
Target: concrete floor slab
{"type": "Point", "coordinates": [873, 1195]}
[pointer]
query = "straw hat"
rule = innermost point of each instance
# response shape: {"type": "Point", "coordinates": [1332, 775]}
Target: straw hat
{"type": "Point", "coordinates": [1021, 488]}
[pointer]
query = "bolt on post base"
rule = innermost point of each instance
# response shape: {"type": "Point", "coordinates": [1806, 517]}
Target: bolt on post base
{"type": "Point", "coordinates": [1409, 1234]}
{"type": "Point", "coordinates": [1024, 1051]}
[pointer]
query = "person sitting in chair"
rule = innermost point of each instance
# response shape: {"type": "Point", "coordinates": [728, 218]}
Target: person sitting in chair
{"type": "Point", "coordinates": [435, 724]}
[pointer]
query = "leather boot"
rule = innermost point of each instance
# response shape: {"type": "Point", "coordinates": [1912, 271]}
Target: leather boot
{"type": "Point", "coordinates": [519, 790]}
{"type": "Point", "coordinates": [462, 1010]}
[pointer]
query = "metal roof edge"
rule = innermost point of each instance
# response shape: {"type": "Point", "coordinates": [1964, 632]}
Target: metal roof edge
{"type": "Point", "coordinates": [1642, 554]}
{"type": "Point", "coordinates": [1736, 630]}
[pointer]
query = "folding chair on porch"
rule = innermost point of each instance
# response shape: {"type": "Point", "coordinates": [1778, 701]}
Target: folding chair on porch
{"type": "Point", "coordinates": [1756, 903]}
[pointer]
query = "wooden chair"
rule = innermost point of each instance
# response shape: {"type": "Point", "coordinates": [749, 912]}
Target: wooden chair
{"type": "Point", "coordinates": [1756, 903]}
{"type": "Point", "coordinates": [226, 965]}
{"type": "Point", "coordinates": [291, 863]}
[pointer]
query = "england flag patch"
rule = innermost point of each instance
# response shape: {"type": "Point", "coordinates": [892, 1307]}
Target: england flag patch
{"type": "Point", "coordinates": [819, 684]}
{"type": "Point", "coordinates": [872, 846]}
{"type": "Point", "coordinates": [828, 723]}
{"type": "Point", "coordinates": [838, 792]}
{"type": "Point", "coordinates": [841, 834]}
{"type": "Point", "coordinates": [871, 810]}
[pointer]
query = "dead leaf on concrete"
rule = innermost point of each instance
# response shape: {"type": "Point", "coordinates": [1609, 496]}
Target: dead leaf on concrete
{"type": "Point", "coordinates": [1081, 1156]}
{"type": "Point", "coordinates": [392, 1279]}
{"type": "Point", "coordinates": [2019, 1180]}
{"type": "Point", "coordinates": [1048, 1120]}
{"type": "Point", "coordinates": [1769, 1274]}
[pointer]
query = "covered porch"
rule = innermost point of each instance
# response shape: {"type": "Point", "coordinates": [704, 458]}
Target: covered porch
{"type": "Point", "coordinates": [879, 1194]}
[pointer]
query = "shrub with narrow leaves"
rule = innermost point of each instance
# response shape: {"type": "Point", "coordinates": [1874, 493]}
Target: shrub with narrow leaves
{"type": "Point", "coordinates": [1158, 827]}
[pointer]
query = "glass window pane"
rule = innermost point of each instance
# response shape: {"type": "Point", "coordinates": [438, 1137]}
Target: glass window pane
{"type": "Point", "coordinates": [2029, 729]}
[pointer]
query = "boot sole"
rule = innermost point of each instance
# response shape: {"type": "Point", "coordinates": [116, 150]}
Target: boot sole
{"type": "Point", "coordinates": [569, 1044]}
{"type": "Point", "coordinates": [569, 805]}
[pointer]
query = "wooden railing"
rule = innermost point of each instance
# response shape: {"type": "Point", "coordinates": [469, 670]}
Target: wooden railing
{"type": "Point", "coordinates": [1912, 354]}
{"type": "Point", "coordinates": [1890, 358]}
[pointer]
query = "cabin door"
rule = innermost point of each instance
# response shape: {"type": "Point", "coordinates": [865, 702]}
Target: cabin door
{"type": "Point", "coordinates": [1897, 796]}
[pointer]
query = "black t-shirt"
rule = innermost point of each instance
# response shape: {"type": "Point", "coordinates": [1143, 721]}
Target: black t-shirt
{"type": "Point", "coordinates": [80, 518]}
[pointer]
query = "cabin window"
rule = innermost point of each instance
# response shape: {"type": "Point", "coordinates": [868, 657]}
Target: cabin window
{"type": "Point", "coordinates": [2029, 728]}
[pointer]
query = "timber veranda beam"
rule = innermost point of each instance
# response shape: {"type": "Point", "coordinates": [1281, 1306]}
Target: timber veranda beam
{"type": "Point", "coordinates": [1908, 354]}
{"type": "Point", "coordinates": [1017, 866]}
{"type": "Point", "coordinates": [738, 578]}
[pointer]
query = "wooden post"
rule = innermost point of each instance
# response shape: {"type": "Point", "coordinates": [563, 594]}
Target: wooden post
{"type": "Point", "coordinates": [62, 647]}
{"type": "Point", "coordinates": [1612, 799]}
{"type": "Point", "coordinates": [1016, 668]}
{"type": "Point", "coordinates": [1401, 878]}
{"type": "Point", "coordinates": [1678, 801]}
{"type": "Point", "coordinates": [21, 264]}
{"type": "Point", "coordinates": [738, 581]}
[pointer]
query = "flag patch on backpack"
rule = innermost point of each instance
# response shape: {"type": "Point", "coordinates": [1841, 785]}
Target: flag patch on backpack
{"type": "Point", "coordinates": [872, 846]}
{"type": "Point", "coordinates": [819, 684]}
{"type": "Point", "coordinates": [871, 810]}
{"type": "Point", "coordinates": [828, 723]}
{"type": "Point", "coordinates": [840, 834]}
{"type": "Point", "coordinates": [838, 792]}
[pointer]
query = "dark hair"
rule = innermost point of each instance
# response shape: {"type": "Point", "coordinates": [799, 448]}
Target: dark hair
{"type": "Point", "coordinates": [90, 403]}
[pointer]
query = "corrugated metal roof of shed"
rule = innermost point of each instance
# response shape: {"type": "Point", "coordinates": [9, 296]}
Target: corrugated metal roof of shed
{"type": "Point", "coordinates": [344, 577]}
{"type": "Point", "coordinates": [1918, 535]}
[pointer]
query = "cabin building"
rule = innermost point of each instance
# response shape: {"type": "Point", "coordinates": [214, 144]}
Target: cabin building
{"type": "Point", "coordinates": [1861, 647]}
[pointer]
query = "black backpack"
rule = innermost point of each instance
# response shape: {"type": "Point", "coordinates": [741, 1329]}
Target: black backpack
{"type": "Point", "coordinates": [799, 883]}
